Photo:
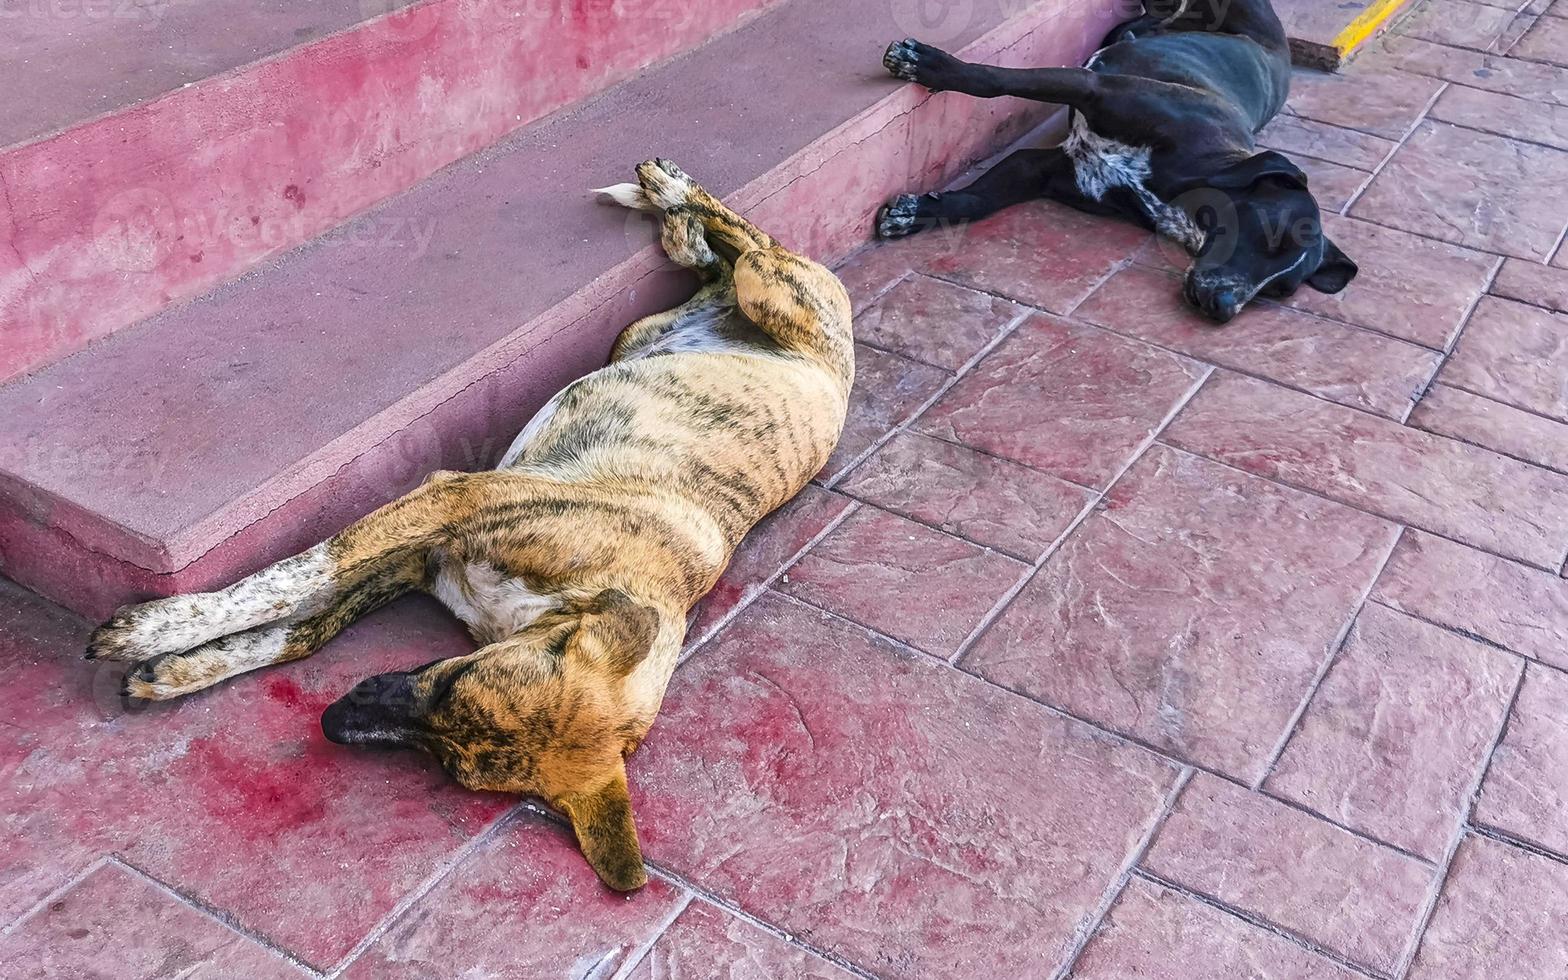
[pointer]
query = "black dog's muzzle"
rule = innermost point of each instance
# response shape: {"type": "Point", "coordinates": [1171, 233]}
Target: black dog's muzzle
{"type": "Point", "coordinates": [1218, 297]}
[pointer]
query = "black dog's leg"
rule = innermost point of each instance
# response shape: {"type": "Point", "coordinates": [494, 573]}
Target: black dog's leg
{"type": "Point", "coordinates": [1025, 175]}
{"type": "Point", "coordinates": [1022, 176]}
{"type": "Point", "coordinates": [916, 61]}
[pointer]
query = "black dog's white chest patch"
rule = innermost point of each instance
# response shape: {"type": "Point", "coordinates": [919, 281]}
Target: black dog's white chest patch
{"type": "Point", "coordinates": [1101, 163]}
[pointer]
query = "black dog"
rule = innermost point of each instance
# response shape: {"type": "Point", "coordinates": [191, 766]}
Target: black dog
{"type": "Point", "coordinates": [1163, 118]}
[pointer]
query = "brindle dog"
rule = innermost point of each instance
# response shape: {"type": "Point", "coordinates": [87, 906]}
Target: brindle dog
{"type": "Point", "coordinates": [575, 562]}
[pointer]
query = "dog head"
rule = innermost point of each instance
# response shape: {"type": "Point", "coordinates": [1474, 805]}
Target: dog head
{"type": "Point", "coordinates": [546, 712]}
{"type": "Point", "coordinates": [1262, 234]}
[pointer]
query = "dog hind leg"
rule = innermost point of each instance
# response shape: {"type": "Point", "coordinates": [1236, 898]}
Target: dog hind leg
{"type": "Point", "coordinates": [183, 622]}
{"type": "Point", "coordinates": [685, 242]}
{"type": "Point", "coordinates": [286, 611]}
{"type": "Point", "coordinates": [1022, 176]}
{"type": "Point", "coordinates": [366, 587]}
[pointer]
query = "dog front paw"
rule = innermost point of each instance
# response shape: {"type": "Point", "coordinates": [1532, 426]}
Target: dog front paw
{"type": "Point", "coordinates": [899, 217]}
{"type": "Point", "coordinates": [915, 61]}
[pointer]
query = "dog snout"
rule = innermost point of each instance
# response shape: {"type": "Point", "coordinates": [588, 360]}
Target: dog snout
{"type": "Point", "coordinates": [375, 711]}
{"type": "Point", "coordinates": [1218, 300]}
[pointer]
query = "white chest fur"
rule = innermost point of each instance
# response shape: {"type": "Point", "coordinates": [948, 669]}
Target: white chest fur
{"type": "Point", "coordinates": [1100, 164]}
{"type": "Point", "coordinates": [492, 605]}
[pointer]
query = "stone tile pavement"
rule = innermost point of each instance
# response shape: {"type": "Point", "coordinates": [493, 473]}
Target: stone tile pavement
{"type": "Point", "coordinates": [1110, 644]}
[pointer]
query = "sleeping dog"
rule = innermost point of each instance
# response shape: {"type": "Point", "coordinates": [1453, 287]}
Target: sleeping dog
{"type": "Point", "coordinates": [575, 561]}
{"type": "Point", "coordinates": [1161, 132]}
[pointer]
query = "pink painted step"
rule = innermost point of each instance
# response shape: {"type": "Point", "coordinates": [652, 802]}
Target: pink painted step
{"type": "Point", "coordinates": [152, 150]}
{"type": "Point", "coordinates": [243, 426]}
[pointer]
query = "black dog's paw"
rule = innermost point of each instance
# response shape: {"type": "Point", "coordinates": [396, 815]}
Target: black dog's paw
{"type": "Point", "coordinates": [915, 61]}
{"type": "Point", "coordinates": [899, 217]}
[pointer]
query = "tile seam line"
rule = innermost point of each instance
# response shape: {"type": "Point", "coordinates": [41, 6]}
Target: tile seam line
{"type": "Point", "coordinates": [1479, 445]}
{"type": "Point", "coordinates": [1468, 634]}
{"type": "Point", "coordinates": [1423, 921]}
{"type": "Point", "coordinates": [1447, 351]}
{"type": "Point", "coordinates": [696, 892]}
{"type": "Point", "coordinates": [1005, 601]}
{"type": "Point", "coordinates": [1473, 128]}
{"type": "Point", "coordinates": [1357, 507]}
{"type": "Point", "coordinates": [1399, 144]}
{"type": "Point", "coordinates": [1334, 654]}
{"type": "Point", "coordinates": [1246, 371]}
{"type": "Point", "coordinates": [1271, 304]}
{"type": "Point", "coordinates": [729, 907]}
{"type": "Point", "coordinates": [1461, 386]}
{"type": "Point", "coordinates": [1084, 932]}
{"type": "Point", "coordinates": [1020, 558]}
{"type": "Point", "coordinates": [1265, 302]}
{"type": "Point", "coordinates": [948, 383]}
{"type": "Point", "coordinates": [937, 437]}
{"type": "Point", "coordinates": [1469, 315]}
{"type": "Point", "coordinates": [766, 586]}
{"type": "Point", "coordinates": [1257, 921]}
{"type": "Point", "coordinates": [453, 861]}
{"type": "Point", "coordinates": [1479, 249]}
{"type": "Point", "coordinates": [1132, 741]}
{"type": "Point", "coordinates": [1484, 766]}
{"type": "Point", "coordinates": [1319, 158]}
{"type": "Point", "coordinates": [56, 893]}
{"type": "Point", "coordinates": [1297, 113]}
{"type": "Point", "coordinates": [212, 912]}
{"type": "Point", "coordinates": [1504, 836]}
{"type": "Point", "coordinates": [644, 949]}
{"type": "Point", "coordinates": [1552, 255]}
{"type": "Point", "coordinates": [968, 677]}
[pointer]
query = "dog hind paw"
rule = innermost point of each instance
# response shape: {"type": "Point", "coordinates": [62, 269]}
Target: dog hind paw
{"type": "Point", "coordinates": [665, 184]}
{"type": "Point", "coordinates": [899, 217]}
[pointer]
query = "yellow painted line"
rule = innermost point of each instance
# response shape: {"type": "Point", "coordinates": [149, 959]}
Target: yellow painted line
{"type": "Point", "coordinates": [1362, 27]}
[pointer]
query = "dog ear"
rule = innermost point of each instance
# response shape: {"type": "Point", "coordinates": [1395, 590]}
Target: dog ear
{"type": "Point", "coordinates": [616, 632]}
{"type": "Point", "coordinates": [1334, 272]}
{"type": "Point", "coordinates": [1245, 173]}
{"type": "Point", "coordinates": [602, 820]}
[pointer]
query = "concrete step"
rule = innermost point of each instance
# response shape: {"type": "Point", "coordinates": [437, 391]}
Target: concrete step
{"type": "Point", "coordinates": [225, 433]}
{"type": "Point", "coordinates": [151, 150]}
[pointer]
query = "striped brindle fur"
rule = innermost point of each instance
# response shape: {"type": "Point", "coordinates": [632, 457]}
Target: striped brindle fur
{"type": "Point", "coordinates": [575, 562]}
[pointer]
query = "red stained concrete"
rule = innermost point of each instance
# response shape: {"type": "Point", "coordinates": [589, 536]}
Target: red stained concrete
{"type": "Point", "coordinates": [850, 784]}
